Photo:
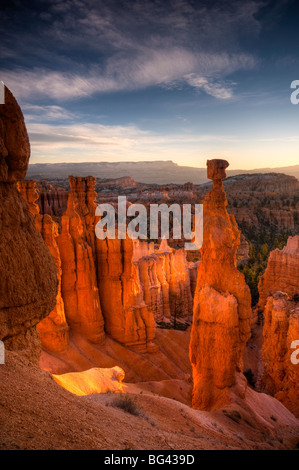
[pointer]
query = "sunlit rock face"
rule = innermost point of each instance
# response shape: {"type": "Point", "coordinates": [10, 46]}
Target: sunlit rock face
{"type": "Point", "coordinates": [281, 328]}
{"type": "Point", "coordinates": [53, 329]}
{"type": "Point", "coordinates": [222, 303]}
{"type": "Point", "coordinates": [279, 295]}
{"type": "Point", "coordinates": [126, 284]}
{"type": "Point", "coordinates": [127, 317]}
{"type": "Point", "coordinates": [92, 381]}
{"type": "Point", "coordinates": [282, 272]}
{"type": "Point", "coordinates": [27, 270]}
{"type": "Point", "coordinates": [76, 244]}
{"type": "Point", "coordinates": [166, 284]}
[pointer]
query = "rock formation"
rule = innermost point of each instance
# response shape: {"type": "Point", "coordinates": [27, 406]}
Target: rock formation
{"type": "Point", "coordinates": [221, 312]}
{"type": "Point", "coordinates": [243, 251]}
{"type": "Point", "coordinates": [127, 317]}
{"type": "Point", "coordinates": [282, 272]}
{"type": "Point", "coordinates": [279, 300]}
{"type": "Point", "coordinates": [53, 201]}
{"type": "Point", "coordinates": [93, 380]}
{"type": "Point", "coordinates": [123, 182]}
{"type": "Point", "coordinates": [27, 269]}
{"type": "Point", "coordinates": [193, 268]}
{"type": "Point", "coordinates": [30, 194]}
{"type": "Point", "coordinates": [53, 329]}
{"type": "Point", "coordinates": [281, 328]}
{"type": "Point", "coordinates": [76, 244]}
{"type": "Point", "coordinates": [165, 280]}
{"type": "Point", "coordinates": [125, 283]}
{"type": "Point", "coordinates": [14, 142]}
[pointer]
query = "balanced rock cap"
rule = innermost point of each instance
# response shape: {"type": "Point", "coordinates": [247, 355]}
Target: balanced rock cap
{"type": "Point", "coordinates": [216, 169]}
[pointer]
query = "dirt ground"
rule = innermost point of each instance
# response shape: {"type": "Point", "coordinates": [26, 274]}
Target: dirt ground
{"type": "Point", "coordinates": [36, 413]}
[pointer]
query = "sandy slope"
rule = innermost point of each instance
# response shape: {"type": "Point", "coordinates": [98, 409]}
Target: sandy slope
{"type": "Point", "coordinates": [171, 360]}
{"type": "Point", "coordinates": [36, 413]}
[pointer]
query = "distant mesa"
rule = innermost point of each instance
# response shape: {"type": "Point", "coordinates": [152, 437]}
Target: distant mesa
{"type": "Point", "coordinates": [123, 182]}
{"type": "Point", "coordinates": [158, 172]}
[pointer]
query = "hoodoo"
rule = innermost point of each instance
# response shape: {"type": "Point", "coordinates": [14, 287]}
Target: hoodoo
{"type": "Point", "coordinates": [222, 304]}
{"type": "Point", "coordinates": [27, 270]}
{"type": "Point", "coordinates": [282, 272]}
{"type": "Point", "coordinates": [76, 244]}
{"type": "Point", "coordinates": [53, 330]}
{"type": "Point", "coordinates": [279, 299]}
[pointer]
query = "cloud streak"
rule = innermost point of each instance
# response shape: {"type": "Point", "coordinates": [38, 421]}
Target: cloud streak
{"type": "Point", "coordinates": [130, 46]}
{"type": "Point", "coordinates": [94, 142]}
{"type": "Point", "coordinates": [156, 68]}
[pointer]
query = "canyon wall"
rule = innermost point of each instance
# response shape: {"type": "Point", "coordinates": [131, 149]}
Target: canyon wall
{"type": "Point", "coordinates": [127, 317]}
{"type": "Point", "coordinates": [53, 329]}
{"type": "Point", "coordinates": [27, 270]}
{"type": "Point", "coordinates": [140, 286]}
{"type": "Point", "coordinates": [281, 328]}
{"type": "Point", "coordinates": [52, 201]}
{"type": "Point", "coordinates": [279, 301]}
{"type": "Point", "coordinates": [121, 286]}
{"type": "Point", "coordinates": [221, 312]}
{"type": "Point", "coordinates": [282, 272]}
{"type": "Point", "coordinates": [166, 282]}
{"type": "Point", "coordinates": [76, 244]}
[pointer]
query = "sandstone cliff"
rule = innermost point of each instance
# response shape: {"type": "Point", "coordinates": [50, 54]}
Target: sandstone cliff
{"type": "Point", "coordinates": [221, 312]}
{"type": "Point", "coordinates": [53, 329]}
{"type": "Point", "coordinates": [242, 251]}
{"type": "Point", "coordinates": [128, 282]}
{"type": "Point", "coordinates": [281, 327]}
{"type": "Point", "coordinates": [282, 272]}
{"type": "Point", "coordinates": [166, 283]}
{"type": "Point", "coordinates": [27, 269]}
{"type": "Point", "coordinates": [127, 317]}
{"type": "Point", "coordinates": [76, 244]}
{"type": "Point", "coordinates": [52, 201]}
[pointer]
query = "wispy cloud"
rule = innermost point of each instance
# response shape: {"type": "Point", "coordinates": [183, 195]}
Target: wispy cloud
{"type": "Point", "coordinates": [155, 68]}
{"type": "Point", "coordinates": [46, 113]}
{"type": "Point", "coordinates": [97, 142]}
{"type": "Point", "coordinates": [129, 46]}
{"type": "Point", "coordinates": [116, 140]}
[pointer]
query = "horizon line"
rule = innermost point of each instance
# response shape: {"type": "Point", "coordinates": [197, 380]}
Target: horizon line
{"type": "Point", "coordinates": [159, 161]}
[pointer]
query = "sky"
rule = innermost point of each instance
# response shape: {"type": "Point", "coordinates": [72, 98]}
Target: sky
{"type": "Point", "coordinates": [145, 80]}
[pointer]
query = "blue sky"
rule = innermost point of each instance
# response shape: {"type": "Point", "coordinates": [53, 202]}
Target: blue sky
{"type": "Point", "coordinates": [179, 80]}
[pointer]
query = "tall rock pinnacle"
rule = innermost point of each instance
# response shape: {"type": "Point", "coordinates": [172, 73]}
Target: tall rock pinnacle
{"type": "Point", "coordinates": [222, 303]}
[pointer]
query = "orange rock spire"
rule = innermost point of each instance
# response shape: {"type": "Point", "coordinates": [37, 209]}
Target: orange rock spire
{"type": "Point", "coordinates": [222, 311]}
{"type": "Point", "coordinates": [53, 330]}
{"type": "Point", "coordinates": [76, 244]}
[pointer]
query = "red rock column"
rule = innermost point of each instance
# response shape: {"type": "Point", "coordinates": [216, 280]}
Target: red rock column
{"type": "Point", "coordinates": [53, 329]}
{"type": "Point", "coordinates": [282, 272]}
{"type": "Point", "coordinates": [222, 303]}
{"type": "Point", "coordinates": [281, 324]}
{"type": "Point", "coordinates": [76, 244]}
{"type": "Point", "coordinates": [127, 318]}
